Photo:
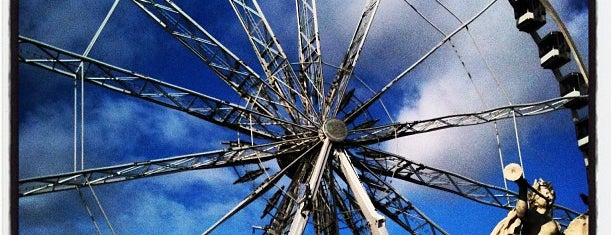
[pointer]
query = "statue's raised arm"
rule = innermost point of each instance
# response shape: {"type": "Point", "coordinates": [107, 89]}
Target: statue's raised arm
{"type": "Point", "coordinates": [532, 214]}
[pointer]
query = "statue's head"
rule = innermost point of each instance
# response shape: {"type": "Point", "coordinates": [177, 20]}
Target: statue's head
{"type": "Point", "coordinates": [546, 188]}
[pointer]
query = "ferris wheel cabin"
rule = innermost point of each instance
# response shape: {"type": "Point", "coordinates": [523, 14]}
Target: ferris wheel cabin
{"type": "Point", "coordinates": [573, 85]}
{"type": "Point", "coordinates": [553, 51]}
{"type": "Point", "coordinates": [582, 133]}
{"type": "Point", "coordinates": [530, 15]}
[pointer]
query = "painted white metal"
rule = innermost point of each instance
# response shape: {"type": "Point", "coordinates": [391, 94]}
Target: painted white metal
{"type": "Point", "coordinates": [530, 16]}
{"type": "Point", "coordinates": [375, 220]}
{"type": "Point", "coordinates": [301, 216]}
{"type": "Point", "coordinates": [552, 53]}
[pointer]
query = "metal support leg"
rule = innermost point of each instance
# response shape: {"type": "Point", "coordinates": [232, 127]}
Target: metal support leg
{"type": "Point", "coordinates": [375, 220]}
{"type": "Point", "coordinates": [301, 216]}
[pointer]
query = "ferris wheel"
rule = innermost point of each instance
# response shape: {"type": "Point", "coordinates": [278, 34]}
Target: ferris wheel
{"type": "Point", "coordinates": [305, 117]}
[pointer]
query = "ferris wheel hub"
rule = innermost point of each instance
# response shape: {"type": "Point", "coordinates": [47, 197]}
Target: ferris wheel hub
{"type": "Point", "coordinates": [335, 129]}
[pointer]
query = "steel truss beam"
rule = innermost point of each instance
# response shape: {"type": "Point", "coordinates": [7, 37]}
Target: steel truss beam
{"type": "Point", "coordinates": [260, 190]}
{"type": "Point", "coordinates": [149, 168]}
{"type": "Point", "coordinates": [388, 164]}
{"type": "Point", "coordinates": [312, 187]}
{"type": "Point", "coordinates": [310, 51]}
{"type": "Point", "coordinates": [345, 71]}
{"type": "Point", "coordinates": [382, 133]}
{"type": "Point", "coordinates": [395, 206]}
{"type": "Point", "coordinates": [221, 60]}
{"type": "Point", "coordinates": [273, 60]}
{"type": "Point", "coordinates": [127, 82]}
{"type": "Point", "coordinates": [283, 216]}
{"type": "Point", "coordinates": [388, 201]}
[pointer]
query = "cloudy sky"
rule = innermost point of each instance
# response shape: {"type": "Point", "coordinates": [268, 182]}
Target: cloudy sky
{"type": "Point", "coordinates": [120, 129]}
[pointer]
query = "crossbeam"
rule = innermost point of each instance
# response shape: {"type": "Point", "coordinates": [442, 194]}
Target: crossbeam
{"type": "Point", "coordinates": [392, 165]}
{"type": "Point", "coordinates": [343, 76]}
{"type": "Point", "coordinates": [274, 61]}
{"type": "Point", "coordinates": [120, 80]}
{"type": "Point", "coordinates": [395, 206]}
{"type": "Point", "coordinates": [392, 131]}
{"type": "Point", "coordinates": [310, 51]}
{"type": "Point", "coordinates": [150, 168]}
{"type": "Point", "coordinates": [231, 69]}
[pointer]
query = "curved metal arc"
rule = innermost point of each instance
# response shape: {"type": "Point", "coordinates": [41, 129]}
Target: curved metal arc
{"type": "Point", "coordinates": [353, 114]}
{"type": "Point", "coordinates": [130, 171]}
{"type": "Point", "coordinates": [387, 132]}
{"type": "Point", "coordinates": [121, 80]}
{"type": "Point", "coordinates": [568, 38]}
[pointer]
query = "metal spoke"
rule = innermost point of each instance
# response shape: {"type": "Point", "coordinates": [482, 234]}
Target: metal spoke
{"type": "Point", "coordinates": [395, 206]}
{"type": "Point", "coordinates": [349, 210]}
{"type": "Point", "coordinates": [130, 83]}
{"type": "Point", "coordinates": [273, 60]}
{"type": "Point", "coordinates": [221, 60]}
{"type": "Point", "coordinates": [284, 214]}
{"type": "Point", "coordinates": [341, 80]}
{"type": "Point", "coordinates": [149, 168]}
{"type": "Point", "coordinates": [324, 216]}
{"type": "Point", "coordinates": [391, 165]}
{"type": "Point", "coordinates": [263, 188]}
{"type": "Point", "coordinates": [310, 51]}
{"type": "Point", "coordinates": [382, 133]}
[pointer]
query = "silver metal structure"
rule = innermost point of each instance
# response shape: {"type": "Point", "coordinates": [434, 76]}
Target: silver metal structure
{"type": "Point", "coordinates": [313, 154]}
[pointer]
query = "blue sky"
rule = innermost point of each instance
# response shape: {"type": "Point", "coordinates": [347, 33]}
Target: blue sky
{"type": "Point", "coordinates": [120, 129]}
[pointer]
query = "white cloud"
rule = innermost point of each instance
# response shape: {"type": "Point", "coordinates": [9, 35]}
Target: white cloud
{"type": "Point", "coordinates": [454, 148]}
{"type": "Point", "coordinates": [446, 89]}
{"type": "Point", "coordinates": [129, 130]}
